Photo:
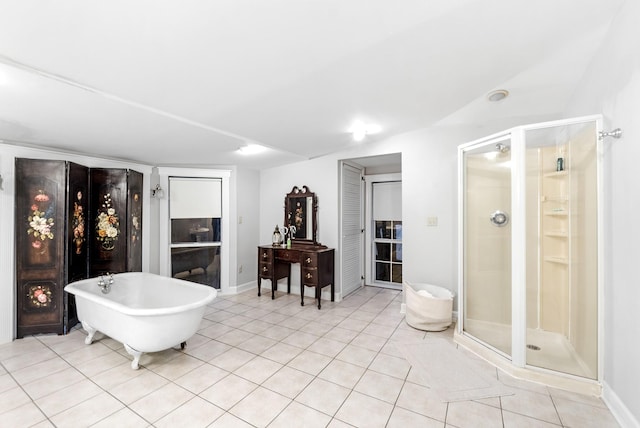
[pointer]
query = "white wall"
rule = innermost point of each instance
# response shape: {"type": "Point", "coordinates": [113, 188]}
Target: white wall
{"type": "Point", "coordinates": [7, 238]}
{"type": "Point", "coordinates": [611, 85]}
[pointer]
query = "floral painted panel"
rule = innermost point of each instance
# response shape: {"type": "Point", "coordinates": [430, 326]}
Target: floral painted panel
{"type": "Point", "coordinates": [107, 224]}
{"type": "Point", "coordinates": [108, 220]}
{"type": "Point", "coordinates": [134, 223]}
{"type": "Point", "coordinates": [39, 295]}
{"type": "Point", "coordinates": [78, 221]}
{"type": "Point", "coordinates": [41, 222]}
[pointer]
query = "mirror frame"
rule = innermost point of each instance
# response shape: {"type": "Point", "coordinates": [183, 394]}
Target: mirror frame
{"type": "Point", "coordinates": [289, 203]}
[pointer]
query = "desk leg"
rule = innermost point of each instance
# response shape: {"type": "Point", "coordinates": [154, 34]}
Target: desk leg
{"type": "Point", "coordinates": [289, 280]}
{"type": "Point", "coordinates": [318, 291]}
{"type": "Point", "coordinates": [259, 283]}
{"type": "Point", "coordinates": [274, 285]}
{"type": "Point", "coordinates": [301, 293]}
{"type": "Point", "coordinates": [333, 287]}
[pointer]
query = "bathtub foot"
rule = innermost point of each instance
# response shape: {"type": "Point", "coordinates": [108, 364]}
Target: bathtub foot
{"type": "Point", "coordinates": [182, 345]}
{"type": "Point", "coordinates": [135, 354]}
{"type": "Point", "coordinates": [91, 332]}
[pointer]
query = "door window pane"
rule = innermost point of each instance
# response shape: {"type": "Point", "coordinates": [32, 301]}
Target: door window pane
{"type": "Point", "coordinates": [397, 252]}
{"type": "Point", "coordinates": [383, 229]}
{"type": "Point", "coordinates": [383, 272]}
{"type": "Point", "coordinates": [197, 264]}
{"type": "Point", "coordinates": [396, 273]}
{"type": "Point", "coordinates": [397, 230]}
{"type": "Point", "coordinates": [383, 251]}
{"type": "Point", "coordinates": [195, 230]}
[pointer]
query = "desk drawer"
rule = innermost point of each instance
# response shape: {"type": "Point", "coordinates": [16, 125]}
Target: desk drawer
{"type": "Point", "coordinates": [264, 254]}
{"type": "Point", "coordinates": [310, 276]}
{"type": "Point", "coordinates": [309, 260]}
{"type": "Point", "coordinates": [265, 270]}
{"type": "Point", "coordinates": [287, 255]}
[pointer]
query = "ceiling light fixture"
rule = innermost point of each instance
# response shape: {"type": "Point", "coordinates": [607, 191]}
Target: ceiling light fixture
{"type": "Point", "coordinates": [497, 95]}
{"type": "Point", "coordinates": [251, 149]}
{"type": "Point", "coordinates": [360, 130]}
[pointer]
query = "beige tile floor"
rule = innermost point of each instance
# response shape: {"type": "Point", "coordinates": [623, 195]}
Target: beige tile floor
{"type": "Point", "coordinates": [257, 362]}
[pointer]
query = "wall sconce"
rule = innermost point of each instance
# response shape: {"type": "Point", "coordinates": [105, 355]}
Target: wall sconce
{"type": "Point", "coordinates": [157, 192]}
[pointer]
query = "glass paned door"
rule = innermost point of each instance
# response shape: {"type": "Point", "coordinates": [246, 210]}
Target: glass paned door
{"type": "Point", "coordinates": [386, 239]}
{"type": "Point", "coordinates": [196, 215]}
{"type": "Point", "coordinates": [487, 243]}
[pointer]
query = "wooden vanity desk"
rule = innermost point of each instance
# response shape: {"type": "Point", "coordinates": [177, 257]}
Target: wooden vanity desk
{"type": "Point", "coordinates": [316, 260]}
{"type": "Point", "coordinates": [316, 268]}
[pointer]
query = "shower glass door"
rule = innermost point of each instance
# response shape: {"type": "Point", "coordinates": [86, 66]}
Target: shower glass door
{"type": "Point", "coordinates": [487, 243]}
{"type": "Point", "coordinates": [562, 248]}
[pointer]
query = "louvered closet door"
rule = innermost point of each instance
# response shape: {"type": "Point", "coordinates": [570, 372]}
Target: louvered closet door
{"type": "Point", "coordinates": [352, 236]}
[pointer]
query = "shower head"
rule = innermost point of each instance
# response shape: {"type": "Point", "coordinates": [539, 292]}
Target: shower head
{"type": "Point", "coordinates": [502, 148]}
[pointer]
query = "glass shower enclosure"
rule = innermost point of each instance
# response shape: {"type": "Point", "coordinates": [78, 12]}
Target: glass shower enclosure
{"type": "Point", "coordinates": [529, 225]}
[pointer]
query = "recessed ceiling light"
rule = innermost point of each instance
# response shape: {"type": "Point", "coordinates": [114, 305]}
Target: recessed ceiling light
{"type": "Point", "coordinates": [497, 95]}
{"type": "Point", "coordinates": [360, 130]}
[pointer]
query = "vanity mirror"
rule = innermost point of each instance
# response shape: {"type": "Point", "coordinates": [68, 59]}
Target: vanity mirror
{"type": "Point", "coordinates": [300, 215]}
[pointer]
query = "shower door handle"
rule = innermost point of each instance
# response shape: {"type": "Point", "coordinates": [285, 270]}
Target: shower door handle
{"type": "Point", "coordinates": [499, 218]}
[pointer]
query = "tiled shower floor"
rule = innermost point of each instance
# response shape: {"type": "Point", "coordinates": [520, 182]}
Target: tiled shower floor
{"type": "Point", "coordinates": [258, 362]}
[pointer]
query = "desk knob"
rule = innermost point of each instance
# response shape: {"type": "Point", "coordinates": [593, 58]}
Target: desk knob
{"type": "Point", "coordinates": [264, 269]}
{"type": "Point", "coordinates": [309, 276]}
{"type": "Point", "coordinates": [265, 255]}
{"type": "Point", "coordinates": [308, 260]}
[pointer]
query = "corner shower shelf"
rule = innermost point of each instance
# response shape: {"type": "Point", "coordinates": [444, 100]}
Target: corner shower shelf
{"type": "Point", "coordinates": [557, 234]}
{"type": "Point", "coordinates": [554, 199]}
{"type": "Point", "coordinates": [556, 174]}
{"type": "Point", "coordinates": [558, 213]}
{"type": "Point", "coordinates": [559, 260]}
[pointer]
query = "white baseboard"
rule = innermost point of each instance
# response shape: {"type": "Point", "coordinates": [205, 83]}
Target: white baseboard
{"type": "Point", "coordinates": [619, 410]}
{"type": "Point", "coordinates": [230, 291]}
{"type": "Point", "coordinates": [246, 286]}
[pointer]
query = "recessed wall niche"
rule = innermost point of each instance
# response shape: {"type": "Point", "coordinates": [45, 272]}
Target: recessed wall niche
{"type": "Point", "coordinates": [71, 222]}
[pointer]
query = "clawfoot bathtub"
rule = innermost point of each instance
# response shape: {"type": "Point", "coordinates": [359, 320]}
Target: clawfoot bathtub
{"type": "Point", "coordinates": [143, 311]}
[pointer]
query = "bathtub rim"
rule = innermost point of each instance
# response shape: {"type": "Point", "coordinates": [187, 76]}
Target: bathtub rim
{"type": "Point", "coordinates": [76, 289]}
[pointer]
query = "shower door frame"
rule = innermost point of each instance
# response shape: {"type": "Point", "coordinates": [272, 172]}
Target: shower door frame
{"type": "Point", "coordinates": [518, 258]}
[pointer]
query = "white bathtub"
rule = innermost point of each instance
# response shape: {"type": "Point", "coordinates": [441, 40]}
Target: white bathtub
{"type": "Point", "coordinates": [143, 311]}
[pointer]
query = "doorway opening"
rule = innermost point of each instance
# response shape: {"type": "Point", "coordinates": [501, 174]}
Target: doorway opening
{"type": "Point", "coordinates": [366, 258]}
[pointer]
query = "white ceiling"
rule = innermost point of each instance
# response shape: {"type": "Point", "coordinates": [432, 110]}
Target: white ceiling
{"type": "Point", "coordinates": [188, 82]}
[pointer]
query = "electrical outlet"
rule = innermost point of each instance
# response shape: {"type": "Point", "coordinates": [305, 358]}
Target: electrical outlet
{"type": "Point", "coordinates": [432, 221]}
{"type": "Point", "coordinates": [239, 219]}
{"type": "Point", "coordinates": [239, 268]}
